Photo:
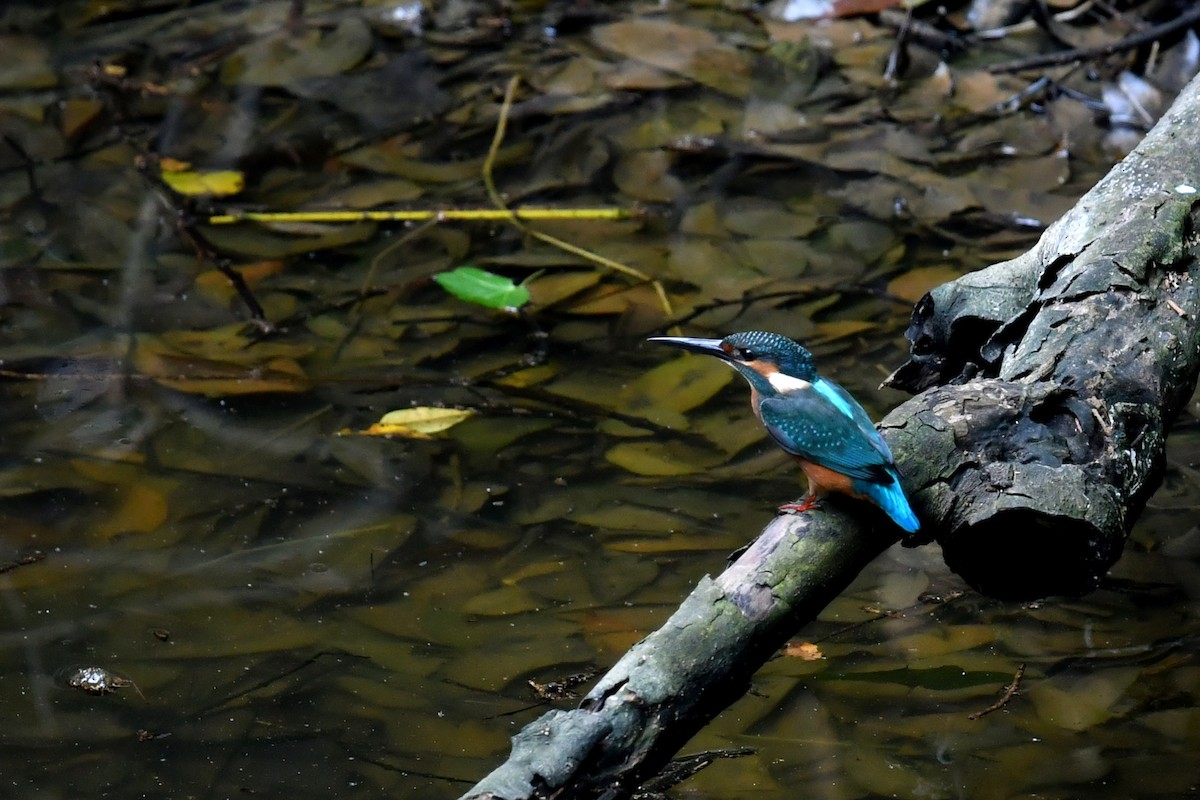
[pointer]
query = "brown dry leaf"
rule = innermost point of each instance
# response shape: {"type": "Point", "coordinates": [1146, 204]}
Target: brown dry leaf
{"type": "Point", "coordinates": [577, 76]}
{"type": "Point", "coordinates": [841, 329]}
{"type": "Point", "coordinates": [785, 258]}
{"type": "Point", "coordinates": [214, 379]}
{"type": "Point", "coordinates": [658, 458]}
{"type": "Point", "coordinates": [944, 640]}
{"type": "Point", "coordinates": [921, 99]}
{"type": "Point", "coordinates": [675, 386]}
{"type": "Point", "coordinates": [693, 52]}
{"type": "Point", "coordinates": [555, 287]}
{"type": "Point", "coordinates": [772, 118]}
{"type": "Point", "coordinates": [371, 194]}
{"type": "Point", "coordinates": [142, 508]}
{"type": "Point", "coordinates": [632, 76]}
{"type": "Point", "coordinates": [765, 220]}
{"type": "Point", "coordinates": [78, 114]}
{"type": "Point", "coordinates": [279, 241]}
{"type": "Point", "coordinates": [704, 220]}
{"type": "Point", "coordinates": [805, 651]}
{"type": "Point", "coordinates": [719, 268]}
{"type": "Point", "coordinates": [397, 156]}
{"type": "Point", "coordinates": [978, 91]}
{"type": "Point", "coordinates": [617, 629]}
{"type": "Point", "coordinates": [225, 369]}
{"type": "Point", "coordinates": [26, 64]}
{"type": "Point", "coordinates": [1079, 703]}
{"type": "Point", "coordinates": [607, 299]}
{"type": "Point", "coordinates": [646, 176]}
{"type": "Point", "coordinates": [141, 499]}
{"type": "Point", "coordinates": [599, 510]}
{"type": "Point", "coordinates": [216, 286]}
{"type": "Point", "coordinates": [938, 197]}
{"type": "Point", "coordinates": [732, 432]}
{"type": "Point", "coordinates": [502, 602]}
{"type": "Point", "coordinates": [245, 633]}
{"type": "Point", "coordinates": [672, 543]}
{"type": "Point", "coordinates": [912, 285]}
{"type": "Point", "coordinates": [228, 344]}
{"type": "Point", "coordinates": [1021, 176]}
{"type": "Point", "coordinates": [282, 58]}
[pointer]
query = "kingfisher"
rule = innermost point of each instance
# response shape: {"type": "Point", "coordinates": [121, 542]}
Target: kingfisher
{"type": "Point", "coordinates": [817, 421]}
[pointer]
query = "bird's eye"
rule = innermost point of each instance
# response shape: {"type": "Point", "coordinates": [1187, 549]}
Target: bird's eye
{"type": "Point", "coordinates": [746, 354]}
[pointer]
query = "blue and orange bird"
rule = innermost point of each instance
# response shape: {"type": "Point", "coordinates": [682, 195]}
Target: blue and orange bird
{"type": "Point", "coordinates": [817, 421]}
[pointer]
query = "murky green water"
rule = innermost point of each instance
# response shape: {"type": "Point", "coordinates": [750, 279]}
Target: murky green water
{"type": "Point", "coordinates": [287, 611]}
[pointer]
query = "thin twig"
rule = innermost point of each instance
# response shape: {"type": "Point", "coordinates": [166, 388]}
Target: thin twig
{"type": "Point", "coordinates": [494, 196]}
{"type": "Point", "coordinates": [1085, 53]}
{"type": "Point", "coordinates": [1012, 691]}
{"type": "Point", "coordinates": [23, 561]}
{"type": "Point", "coordinates": [206, 252]}
{"type": "Point", "coordinates": [424, 215]}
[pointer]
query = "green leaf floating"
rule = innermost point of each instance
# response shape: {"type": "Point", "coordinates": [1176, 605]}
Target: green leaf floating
{"type": "Point", "coordinates": [476, 285]}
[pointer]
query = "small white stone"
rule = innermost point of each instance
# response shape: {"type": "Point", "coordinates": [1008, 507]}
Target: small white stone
{"type": "Point", "coordinates": [1185, 188]}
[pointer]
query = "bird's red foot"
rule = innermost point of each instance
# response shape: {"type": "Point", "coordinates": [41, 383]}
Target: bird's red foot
{"type": "Point", "coordinates": [806, 504]}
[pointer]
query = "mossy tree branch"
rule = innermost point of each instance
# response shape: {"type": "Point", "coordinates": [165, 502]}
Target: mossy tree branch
{"type": "Point", "coordinates": [1048, 385]}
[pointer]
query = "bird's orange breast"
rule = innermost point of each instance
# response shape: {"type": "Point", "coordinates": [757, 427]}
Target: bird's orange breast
{"type": "Point", "coordinates": [822, 480]}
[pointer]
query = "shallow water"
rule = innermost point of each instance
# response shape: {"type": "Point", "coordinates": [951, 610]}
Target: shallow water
{"type": "Point", "coordinates": [285, 608]}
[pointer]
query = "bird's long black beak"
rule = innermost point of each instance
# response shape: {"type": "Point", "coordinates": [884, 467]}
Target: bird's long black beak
{"type": "Point", "coordinates": [709, 347]}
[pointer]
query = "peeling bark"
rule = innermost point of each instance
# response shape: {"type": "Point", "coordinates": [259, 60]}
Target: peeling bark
{"type": "Point", "coordinates": [1048, 384]}
{"type": "Point", "coordinates": [1057, 375]}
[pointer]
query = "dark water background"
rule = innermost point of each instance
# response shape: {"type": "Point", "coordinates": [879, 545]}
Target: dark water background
{"type": "Point", "coordinates": [289, 612]}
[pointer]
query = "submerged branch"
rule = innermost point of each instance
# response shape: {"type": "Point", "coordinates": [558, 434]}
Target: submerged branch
{"type": "Point", "coordinates": [1131, 42]}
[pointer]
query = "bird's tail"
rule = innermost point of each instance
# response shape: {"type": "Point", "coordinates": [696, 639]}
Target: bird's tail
{"type": "Point", "coordinates": [892, 500]}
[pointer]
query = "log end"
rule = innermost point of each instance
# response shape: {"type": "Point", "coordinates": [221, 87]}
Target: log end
{"type": "Point", "coordinates": [1023, 553]}
{"type": "Point", "coordinates": [1009, 479]}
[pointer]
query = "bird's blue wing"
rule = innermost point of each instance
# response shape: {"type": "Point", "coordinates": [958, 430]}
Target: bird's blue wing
{"type": "Point", "coordinates": [846, 402]}
{"type": "Point", "coordinates": [811, 425]}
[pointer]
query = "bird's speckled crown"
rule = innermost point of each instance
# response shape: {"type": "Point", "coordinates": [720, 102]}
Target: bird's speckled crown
{"type": "Point", "coordinates": [790, 357]}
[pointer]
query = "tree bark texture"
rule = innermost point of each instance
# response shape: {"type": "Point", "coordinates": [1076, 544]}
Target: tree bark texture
{"type": "Point", "coordinates": [1048, 384]}
{"type": "Point", "coordinates": [1055, 377]}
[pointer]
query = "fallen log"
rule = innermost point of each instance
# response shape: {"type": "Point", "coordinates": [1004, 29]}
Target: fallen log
{"type": "Point", "coordinates": [1048, 383]}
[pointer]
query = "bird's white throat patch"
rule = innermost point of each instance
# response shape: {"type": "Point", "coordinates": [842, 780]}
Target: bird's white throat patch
{"type": "Point", "coordinates": [787, 383]}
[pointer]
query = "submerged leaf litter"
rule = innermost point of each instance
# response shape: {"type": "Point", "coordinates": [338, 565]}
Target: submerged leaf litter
{"type": "Point", "coordinates": [313, 614]}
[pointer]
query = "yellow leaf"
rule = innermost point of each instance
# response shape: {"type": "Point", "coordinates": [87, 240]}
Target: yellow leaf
{"type": "Point", "coordinates": [220, 183]}
{"type": "Point", "coordinates": [212, 378]}
{"type": "Point", "coordinates": [418, 423]}
{"type": "Point", "coordinates": [531, 376]}
{"type": "Point", "coordinates": [168, 164]}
